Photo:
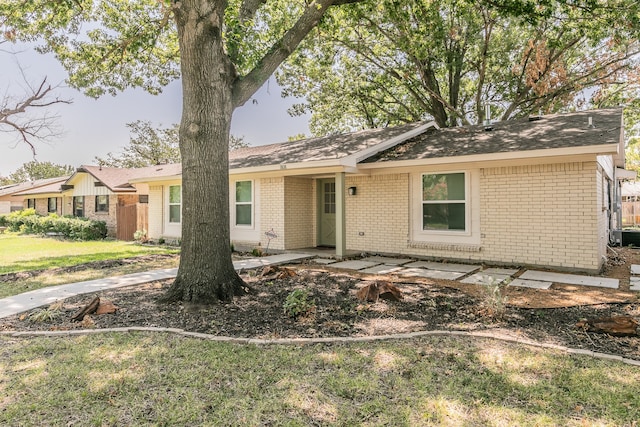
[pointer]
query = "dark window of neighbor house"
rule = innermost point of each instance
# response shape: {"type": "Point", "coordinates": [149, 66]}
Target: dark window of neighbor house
{"type": "Point", "coordinates": [444, 201]}
{"type": "Point", "coordinates": [31, 203]}
{"type": "Point", "coordinates": [102, 204]}
{"type": "Point", "coordinates": [78, 206]}
{"type": "Point", "coordinates": [175, 203]}
{"type": "Point", "coordinates": [52, 205]}
{"type": "Point", "coordinates": [143, 198]}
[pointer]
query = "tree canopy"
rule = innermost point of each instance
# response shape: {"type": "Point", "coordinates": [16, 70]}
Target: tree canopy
{"type": "Point", "coordinates": [388, 62]}
{"type": "Point", "coordinates": [35, 170]}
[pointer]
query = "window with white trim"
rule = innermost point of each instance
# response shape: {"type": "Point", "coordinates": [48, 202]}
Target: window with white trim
{"type": "Point", "coordinates": [244, 203]}
{"type": "Point", "coordinates": [175, 203]}
{"type": "Point", "coordinates": [444, 202]}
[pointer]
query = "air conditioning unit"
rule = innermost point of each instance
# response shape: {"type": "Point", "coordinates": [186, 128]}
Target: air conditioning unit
{"type": "Point", "coordinates": [615, 237]}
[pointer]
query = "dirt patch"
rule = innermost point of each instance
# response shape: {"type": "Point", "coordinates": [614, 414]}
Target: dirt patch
{"type": "Point", "coordinates": [547, 316]}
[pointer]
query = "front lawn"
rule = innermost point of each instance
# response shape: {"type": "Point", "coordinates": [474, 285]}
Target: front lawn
{"type": "Point", "coordinates": [164, 379]}
{"type": "Point", "coordinates": [27, 253]}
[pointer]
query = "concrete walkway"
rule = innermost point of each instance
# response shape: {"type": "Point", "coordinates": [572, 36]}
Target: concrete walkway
{"type": "Point", "coordinates": [45, 296]}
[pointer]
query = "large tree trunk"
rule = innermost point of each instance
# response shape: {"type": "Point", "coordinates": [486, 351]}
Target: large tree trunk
{"type": "Point", "coordinates": [206, 272]}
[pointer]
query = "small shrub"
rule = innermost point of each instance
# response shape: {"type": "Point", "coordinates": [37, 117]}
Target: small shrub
{"type": "Point", "coordinates": [161, 241]}
{"type": "Point", "coordinates": [141, 236]}
{"type": "Point", "coordinates": [256, 252]}
{"type": "Point", "coordinates": [298, 303]}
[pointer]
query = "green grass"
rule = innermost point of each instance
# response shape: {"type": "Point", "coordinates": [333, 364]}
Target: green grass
{"type": "Point", "coordinates": [27, 253]}
{"type": "Point", "coordinates": [162, 379]}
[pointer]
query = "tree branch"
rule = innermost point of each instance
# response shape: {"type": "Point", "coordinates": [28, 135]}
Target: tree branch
{"type": "Point", "coordinates": [245, 87]}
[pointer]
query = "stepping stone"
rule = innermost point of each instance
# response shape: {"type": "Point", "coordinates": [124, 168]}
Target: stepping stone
{"type": "Point", "coordinates": [381, 269]}
{"type": "Point", "coordinates": [635, 269]}
{"type": "Point", "coordinates": [443, 266]}
{"type": "Point", "coordinates": [501, 271]}
{"type": "Point", "coordinates": [323, 261]}
{"type": "Point", "coordinates": [430, 274]}
{"type": "Point", "coordinates": [481, 278]}
{"type": "Point", "coordinates": [354, 265]}
{"type": "Point", "coordinates": [634, 283]}
{"type": "Point", "coordinates": [535, 284]}
{"type": "Point", "coordinates": [571, 279]}
{"type": "Point", "coordinates": [387, 260]}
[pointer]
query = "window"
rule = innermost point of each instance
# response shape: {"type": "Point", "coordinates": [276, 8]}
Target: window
{"type": "Point", "coordinates": [78, 206]}
{"type": "Point", "coordinates": [244, 203]}
{"type": "Point", "coordinates": [175, 203]}
{"type": "Point", "coordinates": [31, 203]}
{"type": "Point", "coordinates": [52, 204]}
{"type": "Point", "coordinates": [329, 196]}
{"type": "Point", "coordinates": [444, 202]}
{"type": "Point", "coordinates": [102, 204]}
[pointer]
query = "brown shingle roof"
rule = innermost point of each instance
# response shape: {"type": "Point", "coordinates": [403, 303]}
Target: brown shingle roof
{"type": "Point", "coordinates": [315, 149]}
{"type": "Point", "coordinates": [117, 179]}
{"type": "Point", "coordinates": [31, 186]}
{"type": "Point", "coordinates": [546, 132]}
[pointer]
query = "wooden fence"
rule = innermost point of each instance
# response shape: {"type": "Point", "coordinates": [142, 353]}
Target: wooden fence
{"type": "Point", "coordinates": [131, 218]}
{"type": "Point", "coordinates": [631, 214]}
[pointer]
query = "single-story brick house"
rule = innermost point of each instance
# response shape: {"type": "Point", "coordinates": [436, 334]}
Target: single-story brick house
{"type": "Point", "coordinates": [11, 200]}
{"type": "Point", "coordinates": [98, 193]}
{"type": "Point", "coordinates": [539, 191]}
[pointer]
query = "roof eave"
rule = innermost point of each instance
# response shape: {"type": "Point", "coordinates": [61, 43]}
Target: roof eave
{"type": "Point", "coordinates": [603, 149]}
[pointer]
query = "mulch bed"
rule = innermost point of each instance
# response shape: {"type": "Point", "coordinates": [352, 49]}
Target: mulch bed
{"type": "Point", "coordinates": [427, 305]}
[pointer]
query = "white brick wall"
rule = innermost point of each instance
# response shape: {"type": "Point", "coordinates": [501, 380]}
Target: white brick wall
{"type": "Point", "coordinates": [378, 215]}
{"type": "Point", "coordinates": [272, 211]}
{"type": "Point", "coordinates": [546, 215]}
{"type": "Point", "coordinates": [156, 207]}
{"type": "Point", "coordinates": [299, 222]}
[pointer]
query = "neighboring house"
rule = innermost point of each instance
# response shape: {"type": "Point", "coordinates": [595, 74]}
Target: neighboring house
{"type": "Point", "coordinates": [536, 192]}
{"type": "Point", "coordinates": [11, 200]}
{"type": "Point", "coordinates": [98, 193]}
{"type": "Point", "coordinates": [630, 204]}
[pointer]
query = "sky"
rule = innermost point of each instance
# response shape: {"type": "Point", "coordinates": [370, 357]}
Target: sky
{"type": "Point", "coordinates": [91, 127]}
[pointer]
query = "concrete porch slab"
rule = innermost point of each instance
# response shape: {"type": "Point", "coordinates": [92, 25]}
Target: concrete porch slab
{"type": "Point", "coordinates": [571, 279]}
{"type": "Point", "coordinates": [443, 266]}
{"type": "Point", "coordinates": [430, 274]}
{"type": "Point", "coordinates": [354, 265]}
{"type": "Point", "coordinates": [387, 260]}
{"type": "Point", "coordinates": [505, 271]}
{"type": "Point", "coordinates": [526, 283]}
{"type": "Point", "coordinates": [482, 278]}
{"type": "Point", "coordinates": [635, 269]}
{"type": "Point", "coordinates": [323, 261]}
{"type": "Point", "coordinates": [382, 269]}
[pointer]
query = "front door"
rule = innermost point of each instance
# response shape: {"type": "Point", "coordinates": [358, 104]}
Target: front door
{"type": "Point", "coordinates": [326, 212]}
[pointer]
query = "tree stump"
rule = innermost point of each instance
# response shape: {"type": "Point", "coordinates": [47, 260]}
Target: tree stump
{"type": "Point", "coordinates": [87, 309]}
{"type": "Point", "coordinates": [618, 326]}
{"type": "Point", "coordinates": [375, 290]}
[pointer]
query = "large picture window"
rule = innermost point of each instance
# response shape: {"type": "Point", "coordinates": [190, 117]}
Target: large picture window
{"type": "Point", "coordinates": [444, 201]}
{"type": "Point", "coordinates": [244, 203]}
{"type": "Point", "coordinates": [175, 203]}
{"type": "Point", "coordinates": [102, 204]}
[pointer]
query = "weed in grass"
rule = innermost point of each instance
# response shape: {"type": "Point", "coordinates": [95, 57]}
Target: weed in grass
{"type": "Point", "coordinates": [43, 315]}
{"type": "Point", "coordinates": [495, 300]}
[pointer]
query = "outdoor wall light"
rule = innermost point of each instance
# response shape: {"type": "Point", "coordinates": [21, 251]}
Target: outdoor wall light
{"type": "Point", "coordinates": [352, 191]}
